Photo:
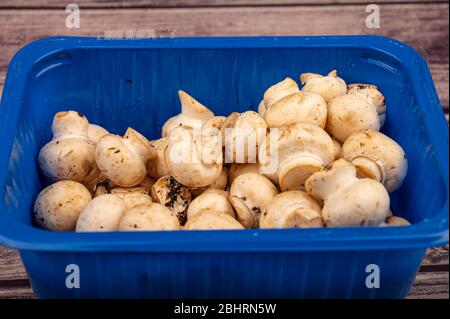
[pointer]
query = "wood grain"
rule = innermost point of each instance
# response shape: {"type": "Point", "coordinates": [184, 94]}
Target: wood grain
{"type": "Point", "coordinates": [430, 285]}
{"type": "Point", "coordinates": [423, 26]}
{"type": "Point", "coordinates": [187, 3]}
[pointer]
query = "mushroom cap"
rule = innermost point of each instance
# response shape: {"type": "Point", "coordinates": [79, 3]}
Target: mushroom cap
{"type": "Point", "coordinates": [151, 216]}
{"type": "Point", "coordinates": [213, 200]}
{"type": "Point", "coordinates": [250, 193]}
{"type": "Point", "coordinates": [209, 220]}
{"type": "Point", "coordinates": [119, 162]}
{"type": "Point", "coordinates": [350, 113]}
{"type": "Point", "coordinates": [139, 144]}
{"type": "Point", "coordinates": [376, 156]}
{"type": "Point", "coordinates": [70, 123]}
{"type": "Point", "coordinates": [132, 196]}
{"type": "Point", "coordinates": [191, 111]}
{"type": "Point", "coordinates": [328, 87]}
{"type": "Point", "coordinates": [96, 132]}
{"type": "Point", "coordinates": [147, 183]}
{"type": "Point", "coordinates": [300, 150]}
{"type": "Point", "coordinates": [58, 206]}
{"type": "Point", "coordinates": [337, 148]}
{"type": "Point", "coordinates": [292, 209]}
{"type": "Point", "coordinates": [102, 214]}
{"type": "Point", "coordinates": [396, 221]}
{"type": "Point", "coordinates": [184, 159]}
{"type": "Point", "coordinates": [170, 193]}
{"type": "Point", "coordinates": [242, 134]}
{"type": "Point", "coordinates": [157, 167]}
{"type": "Point", "coordinates": [237, 169]}
{"type": "Point", "coordinates": [220, 184]}
{"type": "Point", "coordinates": [373, 95]}
{"type": "Point", "coordinates": [262, 108]}
{"type": "Point", "coordinates": [68, 158]}
{"type": "Point", "coordinates": [278, 91]}
{"type": "Point", "coordinates": [349, 201]}
{"type": "Point", "coordinates": [304, 106]}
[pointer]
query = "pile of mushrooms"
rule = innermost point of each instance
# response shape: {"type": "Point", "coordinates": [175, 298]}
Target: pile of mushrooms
{"type": "Point", "coordinates": [312, 156]}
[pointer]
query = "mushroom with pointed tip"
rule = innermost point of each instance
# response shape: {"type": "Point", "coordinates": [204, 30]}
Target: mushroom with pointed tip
{"type": "Point", "coordinates": [193, 159]}
{"type": "Point", "coordinates": [209, 220]}
{"type": "Point", "coordinates": [148, 217]}
{"type": "Point", "coordinates": [275, 93]}
{"type": "Point", "coordinates": [242, 133]}
{"type": "Point", "coordinates": [123, 160]}
{"type": "Point", "coordinates": [372, 95]}
{"type": "Point", "coordinates": [349, 113]}
{"type": "Point", "coordinates": [191, 111]}
{"type": "Point", "coordinates": [70, 153]}
{"type": "Point", "coordinates": [250, 193]}
{"type": "Point", "coordinates": [348, 200]}
{"type": "Point", "coordinates": [58, 206]}
{"type": "Point", "coordinates": [96, 132]}
{"type": "Point", "coordinates": [214, 200]}
{"type": "Point", "coordinates": [376, 156]}
{"type": "Point", "coordinates": [301, 106]}
{"type": "Point", "coordinates": [292, 209]}
{"type": "Point", "coordinates": [102, 214]}
{"type": "Point", "coordinates": [156, 167]}
{"type": "Point", "coordinates": [329, 86]}
{"type": "Point", "coordinates": [299, 150]}
{"type": "Point", "coordinates": [171, 194]}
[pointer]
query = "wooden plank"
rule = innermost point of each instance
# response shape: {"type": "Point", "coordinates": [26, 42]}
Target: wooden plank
{"type": "Point", "coordinates": [16, 293]}
{"type": "Point", "coordinates": [11, 268]}
{"type": "Point", "coordinates": [423, 26]}
{"type": "Point", "coordinates": [41, 4]}
{"type": "Point", "coordinates": [430, 285]}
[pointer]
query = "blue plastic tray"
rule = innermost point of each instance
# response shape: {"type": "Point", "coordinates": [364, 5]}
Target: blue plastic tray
{"type": "Point", "coordinates": [118, 83]}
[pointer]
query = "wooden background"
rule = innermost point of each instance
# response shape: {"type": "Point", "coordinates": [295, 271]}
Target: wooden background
{"type": "Point", "coordinates": [423, 24]}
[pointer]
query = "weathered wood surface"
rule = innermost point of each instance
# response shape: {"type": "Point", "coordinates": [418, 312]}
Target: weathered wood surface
{"type": "Point", "coordinates": [423, 26]}
{"type": "Point", "coordinates": [27, 4]}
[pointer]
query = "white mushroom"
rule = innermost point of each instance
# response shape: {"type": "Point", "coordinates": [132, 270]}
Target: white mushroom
{"type": "Point", "coordinates": [192, 160]}
{"type": "Point", "coordinates": [301, 149]}
{"type": "Point", "coordinates": [58, 206]}
{"type": "Point", "coordinates": [132, 196]}
{"type": "Point", "coordinates": [220, 183]}
{"type": "Point", "coordinates": [329, 86]}
{"type": "Point", "coordinates": [70, 153]}
{"type": "Point", "coordinates": [376, 156]}
{"type": "Point", "coordinates": [372, 95]}
{"type": "Point", "coordinates": [250, 193]}
{"type": "Point", "coordinates": [337, 148]}
{"type": "Point", "coordinates": [157, 167]}
{"type": "Point", "coordinates": [102, 214]}
{"type": "Point", "coordinates": [276, 92]}
{"type": "Point", "coordinates": [214, 200]}
{"type": "Point", "coordinates": [292, 209]}
{"type": "Point", "coordinates": [96, 132]}
{"type": "Point", "coordinates": [123, 160]}
{"type": "Point", "coordinates": [350, 113]}
{"type": "Point", "coordinates": [148, 217]}
{"type": "Point", "coordinates": [303, 106]}
{"type": "Point", "coordinates": [237, 169]}
{"type": "Point", "coordinates": [191, 111]}
{"type": "Point", "coordinates": [208, 220]}
{"type": "Point", "coordinates": [395, 221]}
{"type": "Point", "coordinates": [242, 134]}
{"type": "Point", "coordinates": [171, 194]}
{"type": "Point", "coordinates": [348, 200]}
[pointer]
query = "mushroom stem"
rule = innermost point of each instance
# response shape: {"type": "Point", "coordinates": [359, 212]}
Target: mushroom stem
{"type": "Point", "coordinates": [295, 169]}
{"type": "Point", "coordinates": [365, 167]}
